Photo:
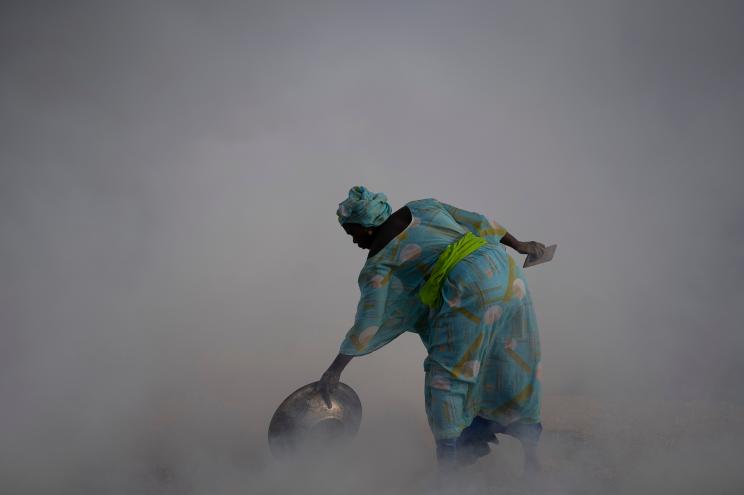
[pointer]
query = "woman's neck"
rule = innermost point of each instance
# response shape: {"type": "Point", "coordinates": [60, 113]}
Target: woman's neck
{"type": "Point", "coordinates": [390, 229]}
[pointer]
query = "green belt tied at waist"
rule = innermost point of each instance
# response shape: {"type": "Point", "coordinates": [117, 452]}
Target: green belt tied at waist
{"type": "Point", "coordinates": [430, 293]}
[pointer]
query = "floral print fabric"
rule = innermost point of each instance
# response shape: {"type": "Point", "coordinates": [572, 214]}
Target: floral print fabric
{"type": "Point", "coordinates": [482, 340]}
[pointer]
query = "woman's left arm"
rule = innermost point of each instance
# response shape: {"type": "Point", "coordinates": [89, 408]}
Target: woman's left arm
{"type": "Point", "coordinates": [372, 328]}
{"type": "Point", "coordinates": [329, 381]}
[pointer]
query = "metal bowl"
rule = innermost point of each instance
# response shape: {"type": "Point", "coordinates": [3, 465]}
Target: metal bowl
{"type": "Point", "coordinates": [303, 419]}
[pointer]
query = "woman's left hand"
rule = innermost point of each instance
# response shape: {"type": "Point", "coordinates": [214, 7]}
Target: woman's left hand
{"type": "Point", "coordinates": [330, 379]}
{"type": "Point", "coordinates": [327, 384]}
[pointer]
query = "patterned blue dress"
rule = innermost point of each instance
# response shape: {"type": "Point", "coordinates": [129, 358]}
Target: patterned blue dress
{"type": "Point", "coordinates": [482, 342]}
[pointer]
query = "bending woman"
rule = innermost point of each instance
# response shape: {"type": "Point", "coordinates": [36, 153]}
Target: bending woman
{"type": "Point", "coordinates": [444, 273]}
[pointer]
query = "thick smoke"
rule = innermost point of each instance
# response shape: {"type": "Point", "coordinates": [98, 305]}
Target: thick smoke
{"type": "Point", "coordinates": [171, 265]}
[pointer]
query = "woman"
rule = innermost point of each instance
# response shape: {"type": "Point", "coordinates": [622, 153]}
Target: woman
{"type": "Point", "coordinates": [443, 273]}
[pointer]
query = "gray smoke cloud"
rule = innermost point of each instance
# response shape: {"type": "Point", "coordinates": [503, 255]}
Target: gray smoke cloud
{"type": "Point", "coordinates": [172, 266]}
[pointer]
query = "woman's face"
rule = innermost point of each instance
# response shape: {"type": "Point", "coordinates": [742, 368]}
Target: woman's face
{"type": "Point", "coordinates": [360, 234]}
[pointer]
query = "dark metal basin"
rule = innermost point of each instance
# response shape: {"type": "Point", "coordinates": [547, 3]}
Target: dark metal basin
{"type": "Point", "coordinates": [303, 420]}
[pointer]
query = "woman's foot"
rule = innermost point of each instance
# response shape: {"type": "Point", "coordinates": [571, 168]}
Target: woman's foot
{"type": "Point", "coordinates": [468, 454]}
{"type": "Point", "coordinates": [473, 441]}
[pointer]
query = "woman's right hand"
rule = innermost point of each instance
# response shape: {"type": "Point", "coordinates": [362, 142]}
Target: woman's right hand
{"type": "Point", "coordinates": [327, 385]}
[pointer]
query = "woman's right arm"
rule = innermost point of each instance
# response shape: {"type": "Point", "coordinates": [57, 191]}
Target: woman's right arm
{"type": "Point", "coordinates": [329, 381]}
{"type": "Point", "coordinates": [533, 248]}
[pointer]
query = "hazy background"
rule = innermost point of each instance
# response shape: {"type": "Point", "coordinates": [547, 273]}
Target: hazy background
{"type": "Point", "coordinates": [171, 266]}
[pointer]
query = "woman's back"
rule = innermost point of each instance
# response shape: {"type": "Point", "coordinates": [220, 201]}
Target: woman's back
{"type": "Point", "coordinates": [390, 280]}
{"type": "Point", "coordinates": [432, 227]}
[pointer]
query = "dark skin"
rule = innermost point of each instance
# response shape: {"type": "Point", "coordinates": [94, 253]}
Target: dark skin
{"type": "Point", "coordinates": [376, 238]}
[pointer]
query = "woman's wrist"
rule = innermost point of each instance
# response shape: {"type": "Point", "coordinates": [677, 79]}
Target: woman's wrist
{"type": "Point", "coordinates": [516, 245]}
{"type": "Point", "coordinates": [338, 365]}
{"type": "Point", "coordinates": [512, 242]}
{"type": "Point", "coordinates": [332, 373]}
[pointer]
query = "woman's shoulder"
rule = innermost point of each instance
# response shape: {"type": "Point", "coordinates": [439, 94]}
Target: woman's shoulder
{"type": "Point", "coordinates": [423, 204]}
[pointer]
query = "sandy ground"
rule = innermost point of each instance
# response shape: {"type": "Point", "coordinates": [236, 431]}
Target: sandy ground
{"type": "Point", "coordinates": [589, 446]}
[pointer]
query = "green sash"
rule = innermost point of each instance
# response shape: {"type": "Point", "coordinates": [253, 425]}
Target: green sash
{"type": "Point", "coordinates": [430, 293]}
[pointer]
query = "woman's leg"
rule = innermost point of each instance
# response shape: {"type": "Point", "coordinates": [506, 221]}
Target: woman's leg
{"type": "Point", "coordinates": [445, 402]}
{"type": "Point", "coordinates": [447, 451]}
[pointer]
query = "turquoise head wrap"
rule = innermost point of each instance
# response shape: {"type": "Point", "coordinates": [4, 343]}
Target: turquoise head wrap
{"type": "Point", "coordinates": [363, 207]}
